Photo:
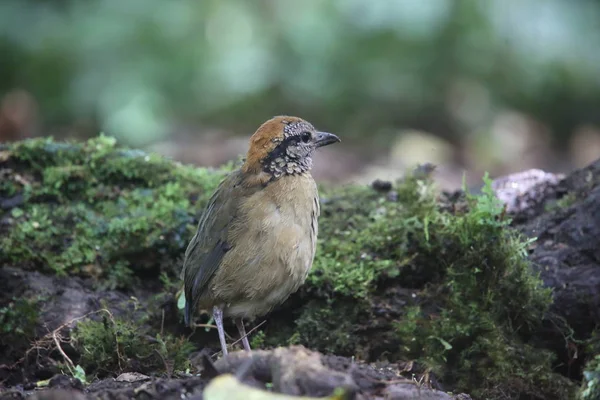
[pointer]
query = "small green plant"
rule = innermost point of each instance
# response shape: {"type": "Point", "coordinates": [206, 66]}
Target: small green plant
{"type": "Point", "coordinates": [19, 317]}
{"type": "Point", "coordinates": [330, 325]}
{"type": "Point", "coordinates": [18, 321]}
{"type": "Point", "coordinates": [562, 203]}
{"type": "Point", "coordinates": [80, 374]}
{"type": "Point", "coordinates": [114, 345]}
{"type": "Point", "coordinates": [590, 389]}
{"type": "Point", "coordinates": [257, 341]}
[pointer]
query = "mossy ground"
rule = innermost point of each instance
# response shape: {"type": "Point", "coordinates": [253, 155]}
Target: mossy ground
{"type": "Point", "coordinates": [121, 216]}
{"type": "Point", "coordinates": [96, 210]}
{"type": "Point", "coordinates": [112, 345]}
{"type": "Point", "coordinates": [590, 389]}
{"type": "Point", "coordinates": [477, 302]}
{"type": "Point", "coordinates": [18, 322]}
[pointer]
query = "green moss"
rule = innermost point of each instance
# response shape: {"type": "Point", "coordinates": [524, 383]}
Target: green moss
{"type": "Point", "coordinates": [478, 301]}
{"type": "Point", "coordinates": [363, 237]}
{"type": "Point", "coordinates": [19, 317]}
{"type": "Point", "coordinates": [564, 202]}
{"type": "Point", "coordinates": [257, 340]}
{"type": "Point", "coordinates": [590, 389]}
{"type": "Point", "coordinates": [567, 200]}
{"type": "Point", "coordinates": [18, 321]}
{"type": "Point", "coordinates": [330, 325]}
{"type": "Point", "coordinates": [94, 208]}
{"type": "Point", "coordinates": [115, 345]}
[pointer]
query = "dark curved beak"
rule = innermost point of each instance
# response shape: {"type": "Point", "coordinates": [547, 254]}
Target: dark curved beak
{"type": "Point", "coordinates": [325, 138]}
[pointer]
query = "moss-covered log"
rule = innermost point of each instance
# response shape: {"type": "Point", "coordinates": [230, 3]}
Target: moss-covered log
{"type": "Point", "coordinates": [400, 274]}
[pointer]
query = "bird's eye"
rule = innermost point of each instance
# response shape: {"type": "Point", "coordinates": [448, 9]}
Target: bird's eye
{"type": "Point", "coordinates": [305, 137]}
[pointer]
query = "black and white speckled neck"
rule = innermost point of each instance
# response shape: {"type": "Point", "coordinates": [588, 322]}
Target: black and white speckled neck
{"type": "Point", "coordinates": [286, 159]}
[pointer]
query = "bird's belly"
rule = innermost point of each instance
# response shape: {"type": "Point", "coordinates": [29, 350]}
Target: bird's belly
{"type": "Point", "coordinates": [273, 247]}
{"type": "Point", "coordinates": [261, 305]}
{"type": "Point", "coordinates": [273, 266]}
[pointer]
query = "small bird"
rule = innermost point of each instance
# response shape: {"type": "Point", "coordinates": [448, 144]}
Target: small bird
{"type": "Point", "coordinates": [256, 239]}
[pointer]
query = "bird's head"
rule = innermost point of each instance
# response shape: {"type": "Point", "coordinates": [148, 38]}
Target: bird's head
{"type": "Point", "coordinates": [284, 146]}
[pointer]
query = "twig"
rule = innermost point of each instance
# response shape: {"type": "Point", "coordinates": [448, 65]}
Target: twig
{"type": "Point", "coordinates": [55, 337]}
{"type": "Point", "coordinates": [240, 339]}
{"type": "Point", "coordinates": [208, 326]}
{"type": "Point", "coordinates": [70, 365]}
{"type": "Point", "coordinates": [168, 365]}
{"type": "Point", "coordinates": [249, 332]}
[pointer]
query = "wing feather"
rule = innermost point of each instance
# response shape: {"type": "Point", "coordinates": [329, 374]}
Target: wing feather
{"type": "Point", "coordinates": [209, 245]}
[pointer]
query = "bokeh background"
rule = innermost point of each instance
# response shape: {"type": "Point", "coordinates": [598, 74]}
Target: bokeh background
{"type": "Point", "coordinates": [470, 85]}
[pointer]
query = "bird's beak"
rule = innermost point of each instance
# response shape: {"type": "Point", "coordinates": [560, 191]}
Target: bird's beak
{"type": "Point", "coordinates": [325, 138]}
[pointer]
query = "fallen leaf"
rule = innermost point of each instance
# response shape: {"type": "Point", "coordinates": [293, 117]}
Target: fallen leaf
{"type": "Point", "coordinates": [227, 387]}
{"type": "Point", "coordinates": [4, 155]}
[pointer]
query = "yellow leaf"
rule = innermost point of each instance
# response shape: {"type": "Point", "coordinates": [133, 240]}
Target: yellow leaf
{"type": "Point", "coordinates": [227, 387]}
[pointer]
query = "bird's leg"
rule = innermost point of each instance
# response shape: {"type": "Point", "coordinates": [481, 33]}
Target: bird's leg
{"type": "Point", "coordinates": [240, 325]}
{"type": "Point", "coordinates": [218, 316]}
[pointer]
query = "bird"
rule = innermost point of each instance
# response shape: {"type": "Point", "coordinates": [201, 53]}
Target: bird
{"type": "Point", "coordinates": [255, 241]}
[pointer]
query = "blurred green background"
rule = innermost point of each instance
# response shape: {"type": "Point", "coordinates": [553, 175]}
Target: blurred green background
{"type": "Point", "coordinates": [475, 85]}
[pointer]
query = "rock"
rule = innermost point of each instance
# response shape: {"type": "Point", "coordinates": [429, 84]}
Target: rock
{"type": "Point", "coordinates": [66, 298]}
{"type": "Point", "coordinates": [567, 255]}
{"type": "Point", "coordinates": [408, 391]}
{"type": "Point", "coordinates": [59, 394]}
{"type": "Point", "coordinates": [522, 190]}
{"type": "Point", "coordinates": [293, 371]}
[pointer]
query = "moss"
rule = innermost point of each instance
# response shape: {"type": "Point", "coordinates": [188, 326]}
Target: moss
{"type": "Point", "coordinates": [590, 386]}
{"type": "Point", "coordinates": [478, 301]}
{"type": "Point", "coordinates": [257, 340]}
{"type": "Point", "coordinates": [18, 321]}
{"type": "Point", "coordinates": [19, 317]}
{"type": "Point", "coordinates": [487, 303]}
{"type": "Point", "coordinates": [96, 209]}
{"type": "Point", "coordinates": [114, 345]}
{"type": "Point", "coordinates": [590, 389]}
{"type": "Point", "coordinates": [329, 325]}
{"type": "Point", "coordinates": [363, 236]}
{"type": "Point", "coordinates": [564, 202]}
